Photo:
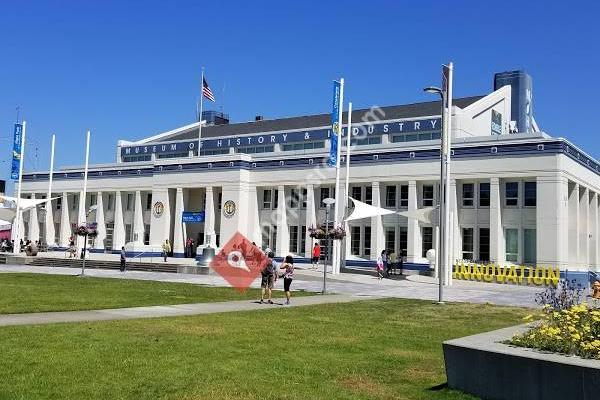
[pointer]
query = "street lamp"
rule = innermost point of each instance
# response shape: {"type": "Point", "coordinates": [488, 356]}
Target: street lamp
{"type": "Point", "coordinates": [91, 209]}
{"type": "Point", "coordinates": [442, 198]}
{"type": "Point", "coordinates": [328, 203]}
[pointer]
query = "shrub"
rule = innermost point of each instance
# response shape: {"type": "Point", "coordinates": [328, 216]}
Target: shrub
{"type": "Point", "coordinates": [573, 331]}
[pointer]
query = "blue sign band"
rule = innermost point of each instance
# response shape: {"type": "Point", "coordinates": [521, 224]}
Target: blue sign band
{"type": "Point", "coordinates": [192, 217]}
{"type": "Point", "coordinates": [17, 151]}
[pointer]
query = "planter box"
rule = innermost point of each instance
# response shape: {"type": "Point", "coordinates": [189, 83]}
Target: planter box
{"type": "Point", "coordinates": [484, 367]}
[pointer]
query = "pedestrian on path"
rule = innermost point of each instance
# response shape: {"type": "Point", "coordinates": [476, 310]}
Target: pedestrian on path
{"type": "Point", "coordinates": [123, 259]}
{"type": "Point", "coordinates": [166, 249]}
{"type": "Point", "coordinates": [267, 279]}
{"type": "Point", "coordinates": [380, 268]}
{"type": "Point", "coordinates": [316, 255]}
{"type": "Point", "coordinates": [288, 276]}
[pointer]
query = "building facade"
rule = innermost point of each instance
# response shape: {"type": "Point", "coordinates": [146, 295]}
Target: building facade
{"type": "Point", "coordinates": [517, 195]}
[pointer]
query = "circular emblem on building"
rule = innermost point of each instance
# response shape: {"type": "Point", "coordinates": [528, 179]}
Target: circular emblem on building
{"type": "Point", "coordinates": [158, 208]}
{"type": "Point", "coordinates": [229, 209]}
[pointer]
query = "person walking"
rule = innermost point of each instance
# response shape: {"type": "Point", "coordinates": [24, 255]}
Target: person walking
{"type": "Point", "coordinates": [267, 279]}
{"type": "Point", "coordinates": [316, 255]}
{"type": "Point", "coordinates": [380, 267]}
{"type": "Point", "coordinates": [288, 276]}
{"type": "Point", "coordinates": [384, 259]}
{"type": "Point", "coordinates": [123, 259]}
{"type": "Point", "coordinates": [166, 249]}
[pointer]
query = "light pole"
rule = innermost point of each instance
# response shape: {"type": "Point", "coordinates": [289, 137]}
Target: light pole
{"type": "Point", "coordinates": [328, 203]}
{"type": "Point", "coordinates": [442, 198]}
{"type": "Point", "coordinates": [92, 208]}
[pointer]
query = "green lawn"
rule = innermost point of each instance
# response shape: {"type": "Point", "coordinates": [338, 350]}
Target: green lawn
{"type": "Point", "coordinates": [380, 349]}
{"type": "Point", "coordinates": [24, 293]}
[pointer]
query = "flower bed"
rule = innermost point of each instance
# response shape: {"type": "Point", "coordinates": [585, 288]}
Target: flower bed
{"type": "Point", "coordinates": [572, 331]}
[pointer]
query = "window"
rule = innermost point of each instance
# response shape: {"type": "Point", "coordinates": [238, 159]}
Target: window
{"type": "Point", "coordinates": [149, 201]}
{"type": "Point", "coordinates": [302, 239]}
{"type": "Point", "coordinates": [128, 233]}
{"type": "Point", "coordinates": [174, 155]}
{"type": "Point", "coordinates": [294, 198]}
{"type": "Point", "coordinates": [267, 199]}
{"type": "Point", "coordinates": [390, 196]}
{"type": "Point", "coordinates": [93, 199]}
{"type": "Point", "coordinates": [484, 244]}
{"type": "Point", "coordinates": [529, 246]}
{"type": "Point", "coordinates": [427, 195]}
{"type": "Point", "coordinates": [146, 234]}
{"type": "Point", "coordinates": [303, 146]}
{"type": "Point", "coordinates": [367, 241]}
{"type": "Point", "coordinates": [468, 194]}
{"type": "Point", "coordinates": [220, 201]}
{"type": "Point", "coordinates": [530, 194]}
{"type": "Point", "coordinates": [357, 193]}
{"type": "Point", "coordinates": [293, 239]}
{"type": "Point", "coordinates": [75, 202]}
{"type": "Point", "coordinates": [403, 240]}
{"type": "Point", "coordinates": [427, 239]}
{"type": "Point", "coordinates": [403, 196]}
{"type": "Point", "coordinates": [109, 202]}
{"type": "Point", "coordinates": [129, 201]}
{"type": "Point", "coordinates": [266, 236]}
{"type": "Point", "coordinates": [512, 193]}
{"type": "Point", "coordinates": [58, 204]}
{"type": "Point", "coordinates": [367, 140]}
{"type": "Point", "coordinates": [303, 198]}
{"type": "Point", "coordinates": [324, 194]}
{"type": "Point", "coordinates": [369, 195]}
{"type": "Point", "coordinates": [57, 233]}
{"type": "Point", "coordinates": [484, 194]}
{"type": "Point", "coordinates": [467, 244]}
{"type": "Point", "coordinates": [512, 245]}
{"type": "Point", "coordinates": [213, 152]}
{"type": "Point", "coordinates": [390, 239]}
{"type": "Point", "coordinates": [255, 149]}
{"type": "Point", "coordinates": [146, 157]}
{"type": "Point", "coordinates": [355, 241]}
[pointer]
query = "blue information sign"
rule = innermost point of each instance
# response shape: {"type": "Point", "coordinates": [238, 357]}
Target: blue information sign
{"type": "Point", "coordinates": [192, 217]}
{"type": "Point", "coordinates": [17, 151]}
{"type": "Point", "coordinates": [335, 125]}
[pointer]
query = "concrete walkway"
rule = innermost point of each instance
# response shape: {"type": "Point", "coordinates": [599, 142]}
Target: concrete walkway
{"type": "Point", "coordinates": [164, 311]}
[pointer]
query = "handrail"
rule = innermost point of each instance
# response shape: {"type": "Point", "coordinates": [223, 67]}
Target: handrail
{"type": "Point", "coordinates": [139, 256]}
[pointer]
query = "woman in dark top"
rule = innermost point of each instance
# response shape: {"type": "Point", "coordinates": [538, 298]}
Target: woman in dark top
{"type": "Point", "coordinates": [288, 275]}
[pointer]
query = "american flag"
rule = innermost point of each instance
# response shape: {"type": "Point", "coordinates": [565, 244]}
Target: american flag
{"type": "Point", "coordinates": [206, 92]}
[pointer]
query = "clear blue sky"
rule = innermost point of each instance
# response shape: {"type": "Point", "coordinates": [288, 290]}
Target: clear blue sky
{"type": "Point", "coordinates": [128, 70]}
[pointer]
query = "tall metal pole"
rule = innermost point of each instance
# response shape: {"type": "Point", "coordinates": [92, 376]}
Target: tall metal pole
{"type": "Point", "coordinates": [83, 196]}
{"type": "Point", "coordinates": [18, 217]}
{"type": "Point", "coordinates": [441, 201]}
{"type": "Point", "coordinates": [200, 116]}
{"type": "Point", "coordinates": [327, 256]}
{"type": "Point", "coordinates": [338, 203]}
{"type": "Point", "coordinates": [448, 140]}
{"type": "Point", "coordinates": [49, 217]}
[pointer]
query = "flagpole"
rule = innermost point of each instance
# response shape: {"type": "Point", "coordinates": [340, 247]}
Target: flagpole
{"type": "Point", "coordinates": [348, 134]}
{"type": "Point", "coordinates": [201, 106]}
{"type": "Point", "coordinates": [16, 244]}
{"type": "Point", "coordinates": [82, 210]}
{"type": "Point", "coordinates": [50, 228]}
{"type": "Point", "coordinates": [337, 207]}
{"type": "Point", "coordinates": [448, 139]}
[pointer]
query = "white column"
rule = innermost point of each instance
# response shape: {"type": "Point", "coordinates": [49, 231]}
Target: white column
{"type": "Point", "coordinates": [34, 225]}
{"type": "Point", "coordinates": [377, 235]}
{"type": "Point", "coordinates": [573, 240]}
{"type": "Point", "coordinates": [311, 217]}
{"type": "Point", "coordinates": [138, 220]}
{"type": "Point", "coordinates": [283, 237]}
{"type": "Point", "coordinates": [99, 242]}
{"type": "Point", "coordinates": [119, 226]}
{"type": "Point", "coordinates": [584, 208]}
{"type": "Point", "coordinates": [65, 222]}
{"type": "Point", "coordinates": [593, 257]}
{"type": "Point", "coordinates": [455, 238]}
{"type": "Point", "coordinates": [552, 220]}
{"type": "Point", "coordinates": [413, 251]}
{"type": "Point", "coordinates": [209, 218]}
{"type": "Point", "coordinates": [160, 225]}
{"type": "Point", "coordinates": [254, 233]}
{"type": "Point", "coordinates": [179, 226]}
{"type": "Point", "coordinates": [49, 233]}
{"type": "Point", "coordinates": [497, 253]}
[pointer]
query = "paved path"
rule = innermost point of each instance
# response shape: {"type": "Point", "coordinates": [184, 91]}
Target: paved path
{"type": "Point", "coordinates": [414, 287]}
{"type": "Point", "coordinates": [164, 311]}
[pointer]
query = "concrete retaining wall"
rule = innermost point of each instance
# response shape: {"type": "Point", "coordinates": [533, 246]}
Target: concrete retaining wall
{"type": "Point", "coordinates": [483, 366]}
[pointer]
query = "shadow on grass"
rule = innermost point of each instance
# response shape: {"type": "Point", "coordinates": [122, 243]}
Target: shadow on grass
{"type": "Point", "coordinates": [439, 387]}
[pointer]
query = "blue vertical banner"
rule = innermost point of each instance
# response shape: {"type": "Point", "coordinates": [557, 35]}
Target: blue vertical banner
{"type": "Point", "coordinates": [335, 125]}
{"type": "Point", "coordinates": [16, 156]}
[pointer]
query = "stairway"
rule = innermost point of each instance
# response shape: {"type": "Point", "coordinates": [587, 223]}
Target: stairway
{"type": "Point", "coordinates": [100, 264]}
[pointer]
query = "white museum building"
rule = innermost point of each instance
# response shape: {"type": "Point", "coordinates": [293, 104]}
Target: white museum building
{"type": "Point", "coordinates": [517, 194]}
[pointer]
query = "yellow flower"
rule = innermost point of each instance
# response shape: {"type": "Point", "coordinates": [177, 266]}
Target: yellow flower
{"type": "Point", "coordinates": [528, 317]}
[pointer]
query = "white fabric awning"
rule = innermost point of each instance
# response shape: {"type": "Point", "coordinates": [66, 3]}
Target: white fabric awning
{"type": "Point", "coordinates": [364, 210]}
{"type": "Point", "coordinates": [428, 215]}
{"type": "Point", "coordinates": [7, 215]}
{"type": "Point", "coordinates": [25, 204]}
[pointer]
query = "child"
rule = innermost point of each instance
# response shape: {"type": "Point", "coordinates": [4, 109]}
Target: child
{"type": "Point", "coordinates": [380, 268]}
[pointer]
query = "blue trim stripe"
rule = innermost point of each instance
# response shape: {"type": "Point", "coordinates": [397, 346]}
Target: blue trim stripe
{"type": "Point", "coordinates": [493, 150]}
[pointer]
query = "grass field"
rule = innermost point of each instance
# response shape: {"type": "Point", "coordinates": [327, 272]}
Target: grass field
{"type": "Point", "coordinates": [380, 349]}
{"type": "Point", "coordinates": [24, 293]}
